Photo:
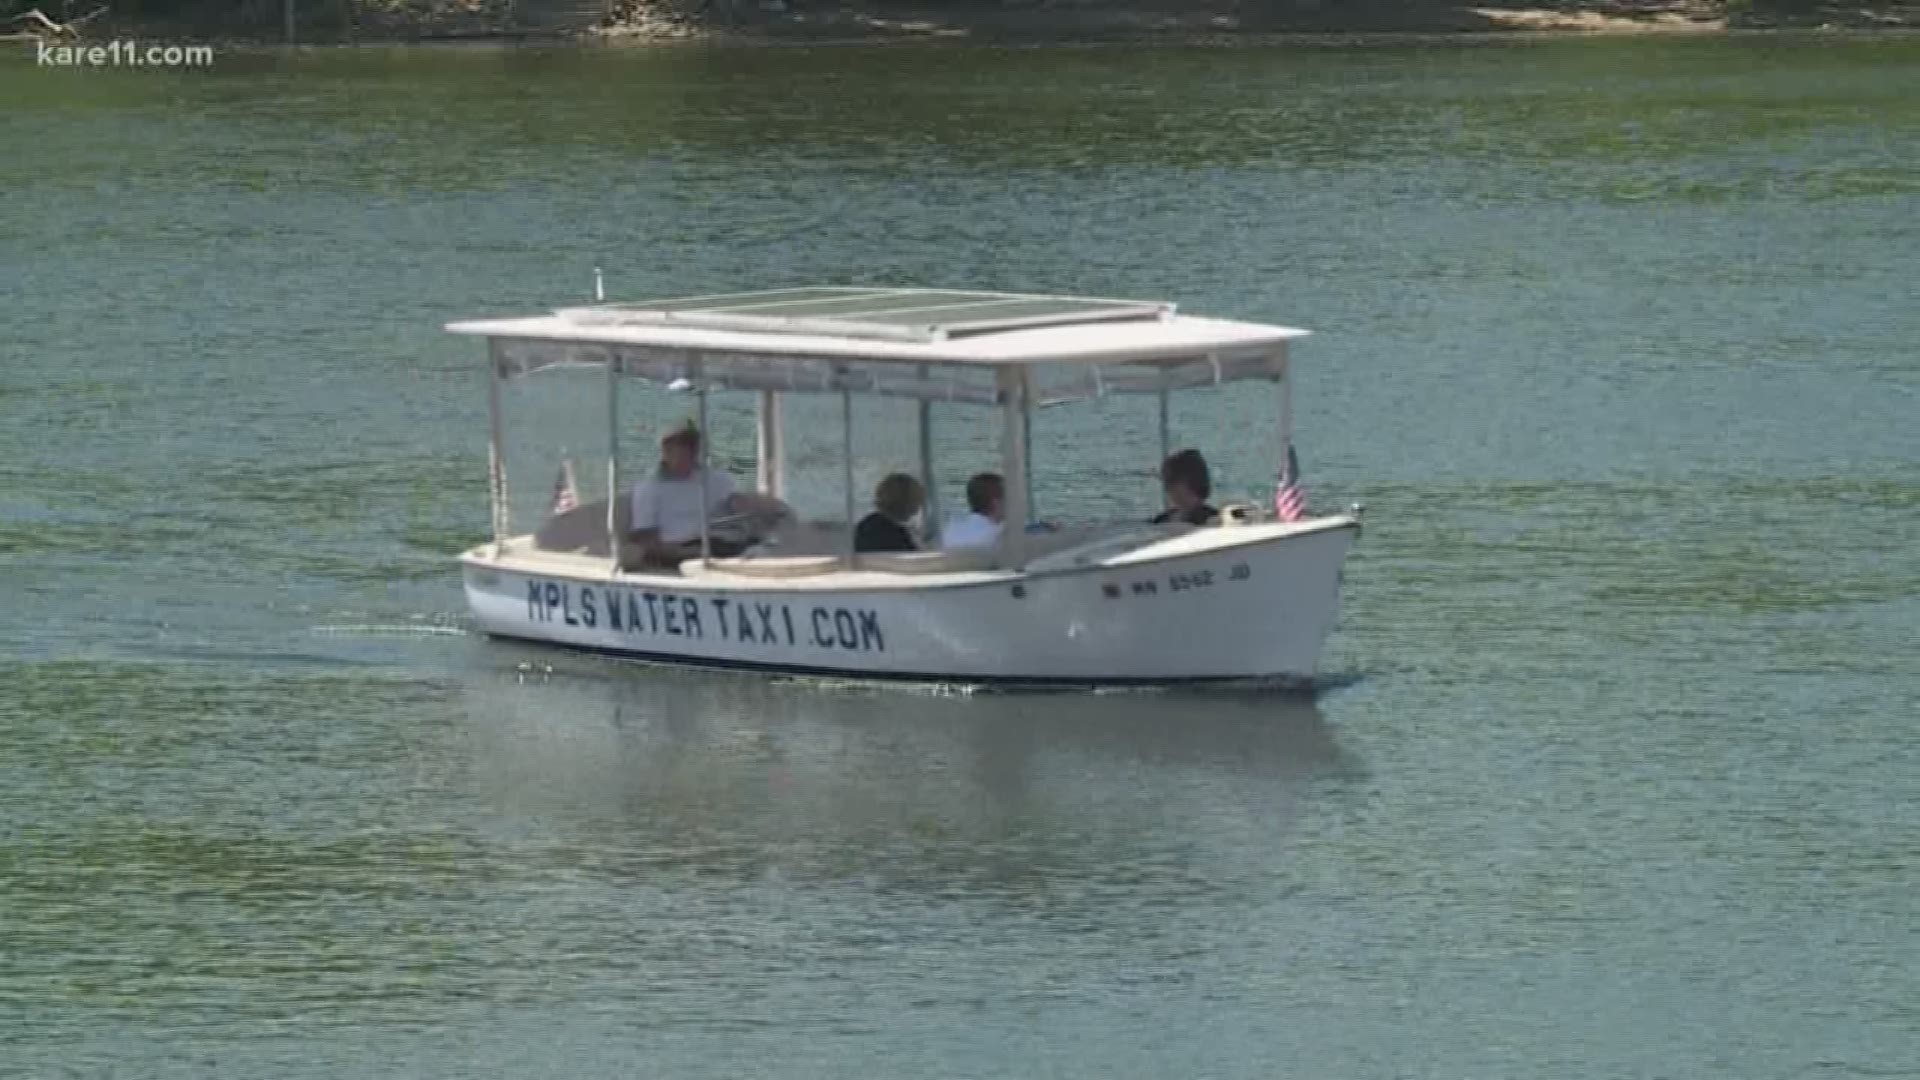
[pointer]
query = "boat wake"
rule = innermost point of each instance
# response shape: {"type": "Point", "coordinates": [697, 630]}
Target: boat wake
{"type": "Point", "coordinates": [390, 630]}
{"type": "Point", "coordinates": [841, 685]}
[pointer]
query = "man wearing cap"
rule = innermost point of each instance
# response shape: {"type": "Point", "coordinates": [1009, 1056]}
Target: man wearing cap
{"type": "Point", "coordinates": [665, 520]}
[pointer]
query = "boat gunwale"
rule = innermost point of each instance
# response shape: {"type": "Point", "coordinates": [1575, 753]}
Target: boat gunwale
{"type": "Point", "coordinates": [481, 558]}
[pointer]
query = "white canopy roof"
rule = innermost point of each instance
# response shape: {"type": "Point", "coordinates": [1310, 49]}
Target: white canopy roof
{"type": "Point", "coordinates": [919, 343]}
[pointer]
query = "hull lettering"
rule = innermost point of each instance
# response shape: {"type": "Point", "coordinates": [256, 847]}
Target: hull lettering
{"type": "Point", "coordinates": [773, 630]}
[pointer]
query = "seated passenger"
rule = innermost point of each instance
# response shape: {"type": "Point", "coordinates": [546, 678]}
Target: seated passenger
{"type": "Point", "coordinates": [1185, 479]}
{"type": "Point", "coordinates": [665, 518]}
{"type": "Point", "coordinates": [980, 526]}
{"type": "Point", "coordinates": [895, 501]}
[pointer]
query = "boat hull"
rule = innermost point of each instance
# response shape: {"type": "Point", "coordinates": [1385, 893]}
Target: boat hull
{"type": "Point", "coordinates": [1258, 610]}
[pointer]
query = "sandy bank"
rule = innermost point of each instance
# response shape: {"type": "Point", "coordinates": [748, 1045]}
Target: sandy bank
{"type": "Point", "coordinates": [1170, 20]}
{"type": "Point", "coordinates": [1006, 22]}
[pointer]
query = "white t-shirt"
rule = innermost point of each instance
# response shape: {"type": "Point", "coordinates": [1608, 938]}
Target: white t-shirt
{"type": "Point", "coordinates": [673, 506]}
{"type": "Point", "coordinates": [970, 531]}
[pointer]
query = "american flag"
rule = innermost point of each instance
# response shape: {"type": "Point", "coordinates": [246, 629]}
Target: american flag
{"type": "Point", "coordinates": [1290, 499]}
{"type": "Point", "coordinates": [565, 496]}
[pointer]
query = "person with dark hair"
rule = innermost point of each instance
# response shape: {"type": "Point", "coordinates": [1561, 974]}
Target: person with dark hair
{"type": "Point", "coordinates": [980, 526]}
{"type": "Point", "coordinates": [1188, 484]}
{"type": "Point", "coordinates": [895, 501]}
{"type": "Point", "coordinates": [664, 520]}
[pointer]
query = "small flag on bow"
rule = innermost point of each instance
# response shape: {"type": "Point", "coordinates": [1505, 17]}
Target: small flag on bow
{"type": "Point", "coordinates": [565, 496]}
{"type": "Point", "coordinates": [1290, 499]}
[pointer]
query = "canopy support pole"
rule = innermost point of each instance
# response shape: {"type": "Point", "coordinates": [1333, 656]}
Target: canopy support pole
{"type": "Point", "coordinates": [1026, 463]}
{"type": "Point", "coordinates": [846, 461]}
{"type": "Point", "coordinates": [706, 542]}
{"type": "Point", "coordinates": [1013, 463]}
{"type": "Point", "coordinates": [613, 461]}
{"type": "Point", "coordinates": [496, 451]}
{"type": "Point", "coordinates": [1166, 428]}
{"type": "Point", "coordinates": [772, 474]}
{"type": "Point", "coordinates": [926, 470]}
{"type": "Point", "coordinates": [1286, 415]}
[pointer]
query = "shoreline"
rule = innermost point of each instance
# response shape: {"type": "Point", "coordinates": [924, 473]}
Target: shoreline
{"type": "Point", "coordinates": [1139, 22]}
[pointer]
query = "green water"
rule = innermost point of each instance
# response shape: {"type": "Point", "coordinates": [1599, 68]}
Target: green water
{"type": "Point", "coordinates": [1614, 770]}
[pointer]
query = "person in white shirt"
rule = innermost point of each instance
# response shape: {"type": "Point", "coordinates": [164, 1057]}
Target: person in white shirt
{"type": "Point", "coordinates": [980, 526]}
{"type": "Point", "coordinates": [664, 522]}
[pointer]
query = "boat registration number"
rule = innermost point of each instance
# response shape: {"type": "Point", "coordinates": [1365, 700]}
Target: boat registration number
{"type": "Point", "coordinates": [1192, 579]}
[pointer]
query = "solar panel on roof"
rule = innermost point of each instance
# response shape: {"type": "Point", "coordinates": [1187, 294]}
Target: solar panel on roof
{"type": "Point", "coordinates": [892, 314]}
{"type": "Point", "coordinates": [869, 302]}
{"type": "Point", "coordinates": [769, 296]}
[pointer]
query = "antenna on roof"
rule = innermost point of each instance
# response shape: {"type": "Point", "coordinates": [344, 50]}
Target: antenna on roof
{"type": "Point", "coordinates": [599, 287]}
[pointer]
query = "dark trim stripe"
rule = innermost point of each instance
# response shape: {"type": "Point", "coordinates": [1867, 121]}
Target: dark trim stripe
{"type": "Point", "coordinates": [705, 663]}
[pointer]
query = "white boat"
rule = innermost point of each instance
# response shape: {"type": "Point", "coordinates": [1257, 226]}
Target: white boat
{"type": "Point", "coordinates": [1251, 598]}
